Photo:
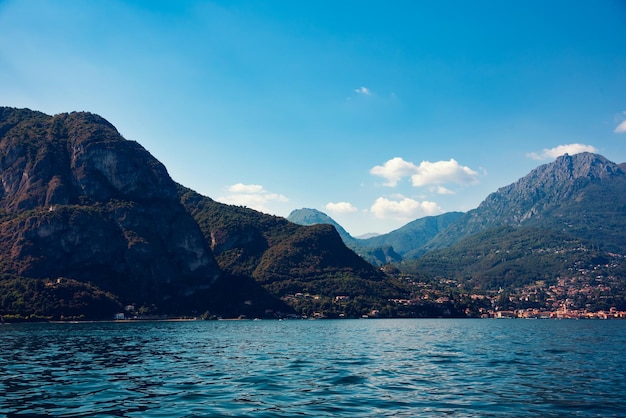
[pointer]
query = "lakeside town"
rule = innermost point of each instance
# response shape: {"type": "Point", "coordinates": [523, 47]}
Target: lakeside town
{"type": "Point", "coordinates": [591, 291]}
{"type": "Point", "coordinates": [563, 313]}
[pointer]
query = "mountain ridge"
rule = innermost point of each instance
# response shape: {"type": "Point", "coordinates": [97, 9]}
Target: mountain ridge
{"type": "Point", "coordinates": [383, 248]}
{"type": "Point", "coordinates": [553, 239]}
{"type": "Point", "coordinates": [550, 229]}
{"type": "Point", "coordinates": [80, 201]}
{"type": "Point", "coordinates": [572, 192]}
{"type": "Point", "coordinates": [289, 259]}
{"type": "Point", "coordinates": [91, 222]}
{"type": "Point", "coordinates": [374, 254]}
{"type": "Point", "coordinates": [85, 211]}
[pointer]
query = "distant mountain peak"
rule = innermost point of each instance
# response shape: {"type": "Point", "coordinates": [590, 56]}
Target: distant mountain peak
{"type": "Point", "coordinates": [585, 164]}
{"type": "Point", "coordinates": [368, 235]}
{"type": "Point", "coordinates": [574, 191]}
{"type": "Point", "coordinates": [553, 181]}
{"type": "Point", "coordinates": [308, 216]}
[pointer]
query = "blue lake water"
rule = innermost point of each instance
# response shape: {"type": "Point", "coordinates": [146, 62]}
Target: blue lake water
{"type": "Point", "coordinates": [352, 368]}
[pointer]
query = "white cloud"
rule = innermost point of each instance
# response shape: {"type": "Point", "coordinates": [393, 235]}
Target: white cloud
{"type": "Point", "coordinates": [393, 170]}
{"type": "Point", "coordinates": [443, 172]}
{"type": "Point", "coordinates": [441, 190]}
{"type": "Point", "coordinates": [426, 173]}
{"type": "Point", "coordinates": [363, 90]}
{"type": "Point", "coordinates": [253, 196]}
{"type": "Point", "coordinates": [245, 188]}
{"type": "Point", "coordinates": [404, 209]}
{"type": "Point", "coordinates": [621, 128]}
{"type": "Point", "coordinates": [552, 153]}
{"type": "Point", "coordinates": [341, 207]}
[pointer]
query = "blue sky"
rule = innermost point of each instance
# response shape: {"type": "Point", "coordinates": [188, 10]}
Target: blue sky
{"type": "Point", "coordinates": [374, 112]}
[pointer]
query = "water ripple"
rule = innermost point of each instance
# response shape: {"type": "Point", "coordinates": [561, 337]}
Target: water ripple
{"type": "Point", "coordinates": [368, 368]}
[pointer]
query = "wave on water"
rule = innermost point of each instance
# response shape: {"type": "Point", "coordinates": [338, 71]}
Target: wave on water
{"type": "Point", "coordinates": [369, 368]}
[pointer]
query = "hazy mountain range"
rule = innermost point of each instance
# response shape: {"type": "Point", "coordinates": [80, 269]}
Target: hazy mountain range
{"type": "Point", "coordinates": [564, 217]}
{"type": "Point", "coordinates": [582, 195]}
{"type": "Point", "coordinates": [405, 242]}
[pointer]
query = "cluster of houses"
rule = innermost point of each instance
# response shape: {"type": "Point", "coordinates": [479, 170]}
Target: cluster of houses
{"type": "Point", "coordinates": [561, 313]}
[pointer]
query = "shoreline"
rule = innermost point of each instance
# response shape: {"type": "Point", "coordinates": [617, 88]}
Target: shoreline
{"type": "Point", "coordinates": [137, 320]}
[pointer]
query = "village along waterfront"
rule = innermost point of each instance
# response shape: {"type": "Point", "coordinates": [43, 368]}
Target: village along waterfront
{"type": "Point", "coordinates": [382, 367]}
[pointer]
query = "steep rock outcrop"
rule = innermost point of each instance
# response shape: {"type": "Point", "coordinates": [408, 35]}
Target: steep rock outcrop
{"type": "Point", "coordinates": [80, 201]}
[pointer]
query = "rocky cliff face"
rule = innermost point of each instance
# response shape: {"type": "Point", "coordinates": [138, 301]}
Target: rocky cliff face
{"type": "Point", "coordinates": [549, 185]}
{"type": "Point", "coordinates": [74, 158]}
{"type": "Point", "coordinates": [79, 201]}
{"type": "Point", "coordinates": [583, 195]}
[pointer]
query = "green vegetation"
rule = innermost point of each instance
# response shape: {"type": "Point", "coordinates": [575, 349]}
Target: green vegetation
{"type": "Point", "coordinates": [501, 257]}
{"type": "Point", "coordinates": [82, 204]}
{"type": "Point", "coordinates": [58, 299]}
{"type": "Point", "coordinates": [522, 268]}
{"type": "Point", "coordinates": [404, 242]}
{"type": "Point", "coordinates": [288, 259]}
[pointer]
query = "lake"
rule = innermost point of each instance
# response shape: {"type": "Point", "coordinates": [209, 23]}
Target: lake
{"type": "Point", "coordinates": [352, 368]}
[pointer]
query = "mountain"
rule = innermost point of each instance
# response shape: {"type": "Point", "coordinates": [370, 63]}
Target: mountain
{"type": "Point", "coordinates": [288, 259]}
{"type": "Point", "coordinates": [307, 216]}
{"type": "Point", "coordinates": [563, 226]}
{"type": "Point", "coordinates": [412, 237]}
{"type": "Point", "coordinates": [376, 255]}
{"type": "Point", "coordinates": [81, 203]}
{"type": "Point", "coordinates": [384, 248]}
{"type": "Point", "coordinates": [583, 195]}
{"type": "Point", "coordinates": [502, 257]}
{"type": "Point", "coordinates": [367, 235]}
{"type": "Point", "coordinates": [91, 222]}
